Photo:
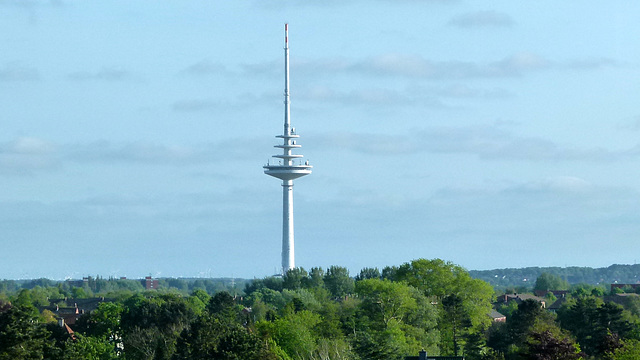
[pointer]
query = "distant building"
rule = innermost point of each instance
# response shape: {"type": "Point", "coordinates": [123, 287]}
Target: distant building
{"type": "Point", "coordinates": [79, 283]}
{"type": "Point", "coordinates": [150, 283]}
{"type": "Point", "coordinates": [70, 310]}
{"type": "Point", "coordinates": [621, 286]}
{"type": "Point", "coordinates": [66, 329]}
{"type": "Point", "coordinates": [621, 299]}
{"type": "Point", "coordinates": [556, 293]}
{"type": "Point", "coordinates": [497, 317]}
{"type": "Point", "coordinates": [519, 298]}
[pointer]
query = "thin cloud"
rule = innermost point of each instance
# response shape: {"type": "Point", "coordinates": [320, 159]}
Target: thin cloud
{"type": "Point", "coordinates": [205, 67]}
{"type": "Point", "coordinates": [27, 155]}
{"type": "Point", "coordinates": [462, 91]}
{"type": "Point", "coordinates": [196, 105]}
{"type": "Point", "coordinates": [163, 154]}
{"type": "Point", "coordinates": [587, 64]}
{"type": "Point", "coordinates": [481, 19]}
{"type": "Point", "coordinates": [368, 97]}
{"type": "Point", "coordinates": [210, 104]}
{"type": "Point", "coordinates": [32, 3]}
{"type": "Point", "coordinates": [267, 68]}
{"type": "Point", "coordinates": [15, 71]}
{"type": "Point", "coordinates": [103, 151]}
{"type": "Point", "coordinates": [408, 65]}
{"type": "Point", "coordinates": [417, 66]}
{"type": "Point", "coordinates": [104, 74]}
{"type": "Point", "coordinates": [489, 142]}
{"type": "Point", "coordinates": [632, 124]}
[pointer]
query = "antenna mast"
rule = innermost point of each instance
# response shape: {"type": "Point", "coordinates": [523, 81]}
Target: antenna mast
{"type": "Point", "coordinates": [286, 170]}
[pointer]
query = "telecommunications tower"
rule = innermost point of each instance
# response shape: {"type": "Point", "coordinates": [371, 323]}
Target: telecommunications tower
{"type": "Point", "coordinates": [289, 167]}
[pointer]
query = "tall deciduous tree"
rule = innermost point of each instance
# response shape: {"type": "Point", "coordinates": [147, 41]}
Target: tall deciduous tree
{"type": "Point", "coordinates": [151, 326]}
{"type": "Point", "coordinates": [438, 279]}
{"type": "Point", "coordinates": [547, 281]}
{"type": "Point", "coordinates": [383, 300]}
{"type": "Point", "coordinates": [295, 278]}
{"type": "Point", "coordinates": [210, 337]}
{"type": "Point", "coordinates": [338, 282]}
{"type": "Point", "coordinates": [368, 273]}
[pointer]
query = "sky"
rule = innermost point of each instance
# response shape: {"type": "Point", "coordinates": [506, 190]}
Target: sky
{"type": "Point", "coordinates": [496, 134]}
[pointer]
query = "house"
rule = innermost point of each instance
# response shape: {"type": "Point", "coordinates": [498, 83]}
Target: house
{"type": "Point", "coordinates": [67, 329]}
{"type": "Point", "coordinates": [71, 309]}
{"type": "Point", "coordinates": [621, 286]}
{"type": "Point", "coordinates": [519, 298]}
{"type": "Point", "coordinates": [497, 317]}
{"type": "Point", "coordinates": [621, 299]}
{"type": "Point", "coordinates": [556, 293]}
{"type": "Point", "coordinates": [557, 304]}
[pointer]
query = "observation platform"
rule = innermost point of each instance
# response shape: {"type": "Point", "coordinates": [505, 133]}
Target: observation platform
{"type": "Point", "coordinates": [287, 172]}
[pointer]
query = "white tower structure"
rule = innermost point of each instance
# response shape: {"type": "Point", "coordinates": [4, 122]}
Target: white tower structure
{"type": "Point", "coordinates": [289, 167]}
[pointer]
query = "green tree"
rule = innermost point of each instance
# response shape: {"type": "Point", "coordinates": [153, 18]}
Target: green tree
{"type": "Point", "coordinates": [316, 278]}
{"type": "Point", "coordinates": [338, 282]}
{"type": "Point", "coordinates": [513, 338]}
{"type": "Point", "coordinates": [21, 335]}
{"type": "Point", "coordinates": [387, 344]}
{"type": "Point", "coordinates": [393, 317]}
{"type": "Point", "coordinates": [223, 305]}
{"type": "Point", "coordinates": [547, 346]}
{"type": "Point", "coordinates": [295, 278]}
{"type": "Point", "coordinates": [547, 281]}
{"type": "Point", "coordinates": [630, 350]}
{"type": "Point", "coordinates": [389, 272]}
{"type": "Point", "coordinates": [103, 324]}
{"type": "Point", "coordinates": [151, 326]}
{"type": "Point", "coordinates": [383, 300]}
{"type": "Point", "coordinates": [210, 337]}
{"type": "Point", "coordinates": [368, 273]}
{"type": "Point", "coordinates": [593, 323]}
{"type": "Point", "coordinates": [458, 321]}
{"type": "Point", "coordinates": [438, 279]}
{"type": "Point", "coordinates": [90, 348]}
{"type": "Point", "coordinates": [294, 334]}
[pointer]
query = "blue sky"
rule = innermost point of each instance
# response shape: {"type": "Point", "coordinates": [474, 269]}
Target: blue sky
{"type": "Point", "coordinates": [491, 134]}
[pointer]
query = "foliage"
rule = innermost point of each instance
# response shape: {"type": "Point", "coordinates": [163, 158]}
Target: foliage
{"type": "Point", "coordinates": [629, 350]}
{"type": "Point", "coordinates": [593, 322]}
{"type": "Point", "coordinates": [151, 326]}
{"type": "Point", "coordinates": [547, 281]}
{"type": "Point", "coordinates": [90, 348]}
{"type": "Point", "coordinates": [368, 273]}
{"type": "Point", "coordinates": [338, 282]}
{"type": "Point", "coordinates": [209, 337]}
{"type": "Point", "coordinates": [441, 280]}
{"type": "Point", "coordinates": [547, 346]}
{"type": "Point", "coordinates": [423, 304]}
{"type": "Point", "coordinates": [295, 279]}
{"type": "Point", "coordinates": [525, 277]}
{"type": "Point", "coordinates": [21, 335]}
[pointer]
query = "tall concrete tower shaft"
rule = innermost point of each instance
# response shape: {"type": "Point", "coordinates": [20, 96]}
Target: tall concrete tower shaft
{"type": "Point", "coordinates": [289, 167]}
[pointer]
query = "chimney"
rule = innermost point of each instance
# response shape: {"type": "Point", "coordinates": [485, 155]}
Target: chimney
{"type": "Point", "coordinates": [422, 355]}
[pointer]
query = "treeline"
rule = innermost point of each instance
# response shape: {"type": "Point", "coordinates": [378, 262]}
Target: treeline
{"type": "Point", "coordinates": [115, 287]}
{"type": "Point", "coordinates": [328, 314]}
{"type": "Point", "coordinates": [525, 277]}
